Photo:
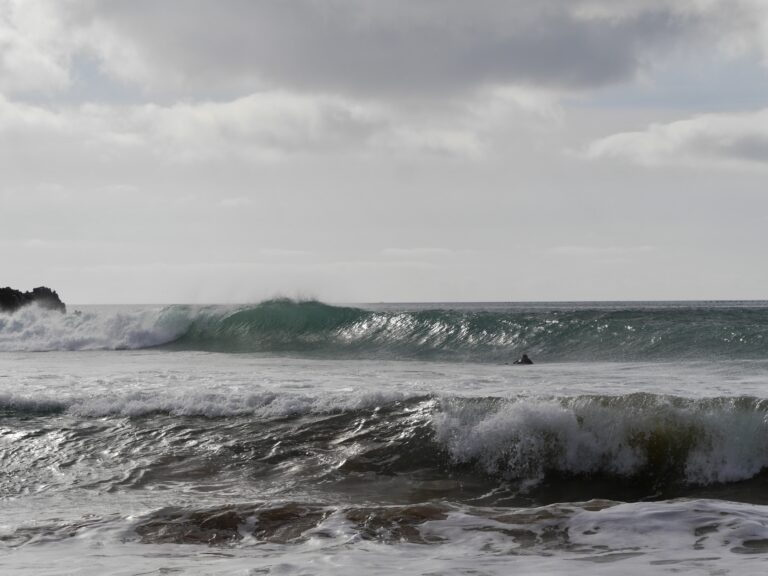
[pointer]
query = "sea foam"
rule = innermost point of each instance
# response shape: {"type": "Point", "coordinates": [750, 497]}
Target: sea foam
{"type": "Point", "coordinates": [663, 438]}
{"type": "Point", "coordinates": [36, 329]}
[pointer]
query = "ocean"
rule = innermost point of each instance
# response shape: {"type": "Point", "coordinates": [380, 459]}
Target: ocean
{"type": "Point", "coordinates": [297, 437]}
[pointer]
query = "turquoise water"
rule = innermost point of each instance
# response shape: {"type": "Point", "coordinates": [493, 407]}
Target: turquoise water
{"type": "Point", "coordinates": [480, 333]}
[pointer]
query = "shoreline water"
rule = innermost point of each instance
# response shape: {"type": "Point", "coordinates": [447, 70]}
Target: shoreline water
{"type": "Point", "coordinates": [298, 457]}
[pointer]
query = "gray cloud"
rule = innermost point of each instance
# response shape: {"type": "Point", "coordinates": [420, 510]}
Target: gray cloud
{"type": "Point", "coordinates": [398, 47]}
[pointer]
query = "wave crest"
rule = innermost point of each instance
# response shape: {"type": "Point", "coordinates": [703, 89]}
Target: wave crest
{"type": "Point", "coordinates": [664, 439]}
{"type": "Point", "coordinates": [655, 441]}
{"type": "Point", "coordinates": [477, 335]}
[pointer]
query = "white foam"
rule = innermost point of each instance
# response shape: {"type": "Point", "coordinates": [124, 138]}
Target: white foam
{"type": "Point", "coordinates": [684, 537]}
{"type": "Point", "coordinates": [711, 525]}
{"type": "Point", "coordinates": [263, 404]}
{"type": "Point", "coordinates": [36, 329]}
{"type": "Point", "coordinates": [720, 441]}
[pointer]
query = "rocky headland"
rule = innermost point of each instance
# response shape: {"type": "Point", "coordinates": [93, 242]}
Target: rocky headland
{"type": "Point", "coordinates": [11, 300]}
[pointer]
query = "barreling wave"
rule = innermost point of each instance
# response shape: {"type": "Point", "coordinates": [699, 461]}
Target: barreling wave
{"type": "Point", "coordinates": [478, 335]}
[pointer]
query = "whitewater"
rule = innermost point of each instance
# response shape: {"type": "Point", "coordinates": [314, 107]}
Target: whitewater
{"type": "Point", "coordinates": [292, 437]}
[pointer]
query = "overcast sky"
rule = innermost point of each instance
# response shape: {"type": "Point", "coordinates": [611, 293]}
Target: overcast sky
{"type": "Point", "coordinates": [399, 150]}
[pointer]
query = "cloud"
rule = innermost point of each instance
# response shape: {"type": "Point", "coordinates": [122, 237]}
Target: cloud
{"type": "Point", "coordinates": [398, 48]}
{"type": "Point", "coordinates": [35, 51]}
{"type": "Point", "coordinates": [262, 79]}
{"type": "Point", "coordinates": [583, 250]}
{"type": "Point", "coordinates": [265, 126]}
{"type": "Point", "coordinates": [262, 125]}
{"type": "Point", "coordinates": [405, 253]}
{"type": "Point", "coordinates": [283, 252]}
{"type": "Point", "coordinates": [433, 141]}
{"type": "Point", "coordinates": [726, 139]}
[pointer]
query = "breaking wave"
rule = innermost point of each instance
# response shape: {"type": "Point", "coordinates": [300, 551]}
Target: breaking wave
{"type": "Point", "coordinates": [36, 329]}
{"type": "Point", "coordinates": [478, 335]}
{"type": "Point", "coordinates": [644, 442]}
{"type": "Point", "coordinates": [661, 438]}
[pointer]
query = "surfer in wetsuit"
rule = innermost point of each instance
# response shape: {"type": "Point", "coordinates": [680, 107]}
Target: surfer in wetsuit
{"type": "Point", "coordinates": [523, 360]}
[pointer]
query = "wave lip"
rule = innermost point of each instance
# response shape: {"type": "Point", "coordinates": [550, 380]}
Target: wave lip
{"type": "Point", "coordinates": [272, 326]}
{"type": "Point", "coordinates": [483, 335]}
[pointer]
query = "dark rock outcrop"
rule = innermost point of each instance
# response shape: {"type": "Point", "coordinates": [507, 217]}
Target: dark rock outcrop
{"type": "Point", "coordinates": [226, 525]}
{"type": "Point", "coordinates": [11, 300]}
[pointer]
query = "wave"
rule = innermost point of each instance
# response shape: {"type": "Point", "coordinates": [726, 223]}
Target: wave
{"type": "Point", "coordinates": [654, 442]}
{"type": "Point", "coordinates": [693, 536]}
{"type": "Point", "coordinates": [479, 335]}
{"type": "Point", "coordinates": [268, 405]}
{"type": "Point", "coordinates": [658, 438]}
{"type": "Point", "coordinates": [36, 329]}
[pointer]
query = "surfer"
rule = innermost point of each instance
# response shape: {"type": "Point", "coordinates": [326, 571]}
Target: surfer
{"type": "Point", "coordinates": [523, 360]}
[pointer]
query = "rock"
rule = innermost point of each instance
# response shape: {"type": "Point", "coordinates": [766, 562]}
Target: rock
{"type": "Point", "coordinates": [11, 300]}
{"type": "Point", "coordinates": [397, 523]}
{"type": "Point", "coordinates": [287, 523]}
{"type": "Point", "coordinates": [222, 526]}
{"type": "Point", "coordinates": [215, 527]}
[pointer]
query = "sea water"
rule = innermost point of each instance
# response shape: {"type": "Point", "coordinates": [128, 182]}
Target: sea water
{"type": "Point", "coordinates": [303, 438]}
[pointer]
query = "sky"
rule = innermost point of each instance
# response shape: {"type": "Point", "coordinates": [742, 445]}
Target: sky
{"type": "Point", "coordinates": [200, 151]}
